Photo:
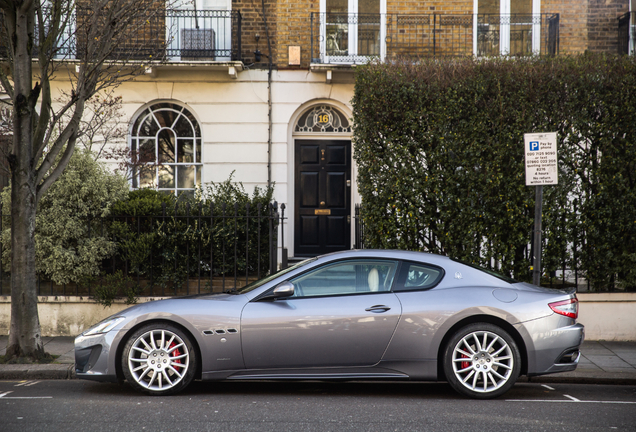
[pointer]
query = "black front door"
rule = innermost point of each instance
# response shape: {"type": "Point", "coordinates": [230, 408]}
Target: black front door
{"type": "Point", "coordinates": [322, 197]}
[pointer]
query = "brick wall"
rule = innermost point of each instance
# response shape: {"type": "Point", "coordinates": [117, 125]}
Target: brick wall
{"type": "Point", "coordinates": [602, 24]}
{"type": "Point", "coordinates": [429, 7]}
{"type": "Point", "coordinates": [452, 21]}
{"type": "Point", "coordinates": [572, 23]}
{"type": "Point", "coordinates": [294, 29]}
{"type": "Point", "coordinates": [584, 24]}
{"type": "Point", "coordinates": [253, 24]}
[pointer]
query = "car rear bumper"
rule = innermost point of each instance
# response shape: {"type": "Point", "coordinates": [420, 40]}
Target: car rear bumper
{"type": "Point", "coordinates": [556, 350]}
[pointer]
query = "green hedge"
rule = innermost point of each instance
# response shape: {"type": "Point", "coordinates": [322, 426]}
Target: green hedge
{"type": "Point", "coordinates": [166, 241]}
{"type": "Point", "coordinates": [439, 148]}
{"type": "Point", "coordinates": [103, 240]}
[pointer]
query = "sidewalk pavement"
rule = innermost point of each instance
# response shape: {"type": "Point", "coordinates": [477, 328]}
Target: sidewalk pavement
{"type": "Point", "coordinates": [602, 362]}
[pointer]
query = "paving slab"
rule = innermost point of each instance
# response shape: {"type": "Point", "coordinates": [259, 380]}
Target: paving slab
{"type": "Point", "coordinates": [607, 362]}
{"type": "Point", "coordinates": [58, 345]}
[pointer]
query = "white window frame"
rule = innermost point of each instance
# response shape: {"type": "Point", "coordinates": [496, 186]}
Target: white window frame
{"type": "Point", "coordinates": [631, 50]}
{"type": "Point", "coordinates": [156, 165]}
{"type": "Point", "coordinates": [352, 34]}
{"type": "Point", "coordinates": [504, 27]}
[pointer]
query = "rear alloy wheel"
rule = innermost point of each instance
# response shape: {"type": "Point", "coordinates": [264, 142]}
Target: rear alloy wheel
{"type": "Point", "coordinates": [482, 361]}
{"type": "Point", "coordinates": [159, 359]}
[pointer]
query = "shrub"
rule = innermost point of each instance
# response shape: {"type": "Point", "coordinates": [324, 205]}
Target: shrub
{"type": "Point", "coordinates": [439, 148]}
{"type": "Point", "coordinates": [166, 241]}
{"type": "Point", "coordinates": [69, 247]}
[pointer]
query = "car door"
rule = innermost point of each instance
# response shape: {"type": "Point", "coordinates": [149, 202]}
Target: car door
{"type": "Point", "coordinates": [341, 314]}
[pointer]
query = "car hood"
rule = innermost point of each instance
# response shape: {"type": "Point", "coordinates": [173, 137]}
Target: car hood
{"type": "Point", "coordinates": [179, 304]}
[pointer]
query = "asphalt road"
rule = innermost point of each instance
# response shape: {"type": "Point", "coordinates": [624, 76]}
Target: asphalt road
{"type": "Point", "coordinates": [76, 405]}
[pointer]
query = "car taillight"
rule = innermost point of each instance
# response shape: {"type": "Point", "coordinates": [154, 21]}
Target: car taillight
{"type": "Point", "coordinates": [568, 308]}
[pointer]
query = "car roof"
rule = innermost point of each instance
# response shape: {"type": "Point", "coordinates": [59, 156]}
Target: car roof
{"type": "Point", "coordinates": [388, 253]}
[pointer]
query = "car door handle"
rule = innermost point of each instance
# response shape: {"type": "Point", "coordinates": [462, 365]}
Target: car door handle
{"type": "Point", "coordinates": [378, 308]}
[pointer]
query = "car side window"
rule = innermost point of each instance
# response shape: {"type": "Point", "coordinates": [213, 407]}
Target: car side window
{"type": "Point", "coordinates": [418, 276]}
{"type": "Point", "coordinates": [346, 277]}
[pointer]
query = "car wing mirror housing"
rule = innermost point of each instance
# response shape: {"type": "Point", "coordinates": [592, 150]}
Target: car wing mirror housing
{"type": "Point", "coordinates": [282, 290]}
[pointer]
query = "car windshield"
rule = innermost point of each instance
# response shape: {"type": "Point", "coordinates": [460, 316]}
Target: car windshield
{"type": "Point", "coordinates": [249, 287]}
{"type": "Point", "coordinates": [488, 271]}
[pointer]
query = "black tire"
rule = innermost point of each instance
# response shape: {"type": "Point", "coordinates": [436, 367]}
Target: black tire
{"type": "Point", "coordinates": [159, 359]}
{"type": "Point", "coordinates": [482, 361]}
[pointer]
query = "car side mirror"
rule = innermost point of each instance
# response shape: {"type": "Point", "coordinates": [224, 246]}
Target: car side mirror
{"type": "Point", "coordinates": [284, 289]}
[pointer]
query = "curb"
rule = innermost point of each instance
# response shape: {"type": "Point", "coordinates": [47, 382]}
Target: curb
{"type": "Point", "coordinates": [609, 379]}
{"type": "Point", "coordinates": [37, 371]}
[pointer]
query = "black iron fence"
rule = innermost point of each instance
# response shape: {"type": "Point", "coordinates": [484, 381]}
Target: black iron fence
{"type": "Point", "coordinates": [183, 250]}
{"type": "Point", "coordinates": [359, 228]}
{"type": "Point", "coordinates": [204, 35]}
{"type": "Point", "coordinates": [564, 270]}
{"type": "Point", "coordinates": [627, 33]}
{"type": "Point", "coordinates": [357, 38]}
{"type": "Point", "coordinates": [173, 34]}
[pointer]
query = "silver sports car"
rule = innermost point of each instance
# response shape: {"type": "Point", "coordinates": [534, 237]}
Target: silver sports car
{"type": "Point", "coordinates": [352, 315]}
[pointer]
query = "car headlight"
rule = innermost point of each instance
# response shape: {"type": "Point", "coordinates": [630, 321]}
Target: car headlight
{"type": "Point", "coordinates": [104, 326]}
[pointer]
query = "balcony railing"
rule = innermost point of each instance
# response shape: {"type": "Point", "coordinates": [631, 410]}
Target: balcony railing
{"type": "Point", "coordinates": [627, 33]}
{"type": "Point", "coordinates": [357, 38]}
{"type": "Point", "coordinates": [177, 35]}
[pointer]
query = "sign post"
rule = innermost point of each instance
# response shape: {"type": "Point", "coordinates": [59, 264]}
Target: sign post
{"type": "Point", "coordinates": [541, 169]}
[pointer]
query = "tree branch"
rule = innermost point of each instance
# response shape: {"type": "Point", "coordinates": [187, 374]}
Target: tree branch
{"type": "Point", "coordinates": [6, 84]}
{"type": "Point", "coordinates": [46, 182]}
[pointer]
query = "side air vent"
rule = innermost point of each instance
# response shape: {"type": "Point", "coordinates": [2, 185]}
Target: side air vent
{"type": "Point", "coordinates": [220, 331]}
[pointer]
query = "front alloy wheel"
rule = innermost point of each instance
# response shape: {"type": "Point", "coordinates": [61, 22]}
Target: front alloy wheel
{"type": "Point", "coordinates": [159, 359]}
{"type": "Point", "coordinates": [482, 361]}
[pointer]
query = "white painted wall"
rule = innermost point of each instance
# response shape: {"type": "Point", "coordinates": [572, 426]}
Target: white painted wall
{"type": "Point", "coordinates": [234, 119]}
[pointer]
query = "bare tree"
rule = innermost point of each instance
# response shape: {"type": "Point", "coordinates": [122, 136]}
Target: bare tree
{"type": "Point", "coordinates": [96, 45]}
{"type": "Point", "coordinates": [102, 131]}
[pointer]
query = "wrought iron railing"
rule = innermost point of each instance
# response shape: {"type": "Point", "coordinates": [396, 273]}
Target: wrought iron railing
{"type": "Point", "coordinates": [627, 33]}
{"type": "Point", "coordinates": [204, 35]}
{"type": "Point", "coordinates": [186, 250]}
{"type": "Point", "coordinates": [570, 272]}
{"type": "Point", "coordinates": [359, 228]}
{"type": "Point", "coordinates": [177, 35]}
{"type": "Point", "coordinates": [357, 38]}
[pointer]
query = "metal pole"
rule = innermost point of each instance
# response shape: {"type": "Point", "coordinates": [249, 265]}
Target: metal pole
{"type": "Point", "coordinates": [538, 209]}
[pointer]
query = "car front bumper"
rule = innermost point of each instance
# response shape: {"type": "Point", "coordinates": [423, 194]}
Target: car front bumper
{"type": "Point", "coordinates": [92, 357]}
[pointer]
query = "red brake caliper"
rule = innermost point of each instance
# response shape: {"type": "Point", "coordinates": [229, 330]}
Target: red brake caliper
{"type": "Point", "coordinates": [176, 353]}
{"type": "Point", "coordinates": [465, 364]}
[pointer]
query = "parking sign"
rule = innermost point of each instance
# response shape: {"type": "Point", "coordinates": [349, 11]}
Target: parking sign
{"type": "Point", "coordinates": [541, 159]}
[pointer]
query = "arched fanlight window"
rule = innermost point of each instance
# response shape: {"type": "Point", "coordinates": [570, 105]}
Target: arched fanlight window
{"type": "Point", "coordinates": [166, 143]}
{"type": "Point", "coordinates": [323, 118]}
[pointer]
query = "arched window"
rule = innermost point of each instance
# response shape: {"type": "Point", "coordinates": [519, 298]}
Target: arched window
{"type": "Point", "coordinates": [322, 118]}
{"type": "Point", "coordinates": [166, 148]}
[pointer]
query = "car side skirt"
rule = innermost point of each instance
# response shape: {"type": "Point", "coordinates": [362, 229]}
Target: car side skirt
{"type": "Point", "coordinates": [387, 370]}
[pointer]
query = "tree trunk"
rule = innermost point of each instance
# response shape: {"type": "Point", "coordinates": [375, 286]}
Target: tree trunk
{"type": "Point", "coordinates": [24, 333]}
